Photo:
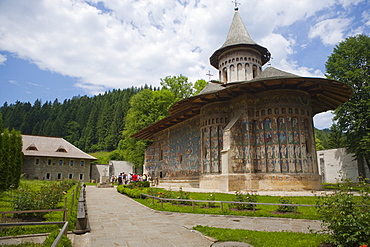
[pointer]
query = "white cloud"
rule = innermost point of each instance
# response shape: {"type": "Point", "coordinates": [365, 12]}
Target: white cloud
{"type": "Point", "coordinates": [323, 120]}
{"type": "Point", "coordinates": [366, 17]}
{"type": "Point", "coordinates": [347, 3]}
{"type": "Point", "coordinates": [281, 48]}
{"type": "Point", "coordinates": [330, 31]}
{"type": "Point", "coordinates": [2, 59]}
{"type": "Point", "coordinates": [135, 42]}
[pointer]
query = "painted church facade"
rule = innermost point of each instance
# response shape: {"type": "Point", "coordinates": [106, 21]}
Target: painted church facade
{"type": "Point", "coordinates": [251, 130]}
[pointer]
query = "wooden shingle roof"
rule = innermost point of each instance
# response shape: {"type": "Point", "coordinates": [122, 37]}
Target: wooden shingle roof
{"type": "Point", "coordinates": [238, 37]}
{"type": "Point", "coordinates": [325, 95]}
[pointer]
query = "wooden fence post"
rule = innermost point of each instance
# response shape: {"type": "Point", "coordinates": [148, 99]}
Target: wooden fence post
{"type": "Point", "coordinates": [65, 207]}
{"type": "Point", "coordinates": [73, 201]}
{"type": "Point", "coordinates": [3, 217]}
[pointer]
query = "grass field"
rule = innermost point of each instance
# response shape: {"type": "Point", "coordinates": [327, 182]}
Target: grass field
{"type": "Point", "coordinates": [263, 239]}
{"type": "Point", "coordinates": [228, 209]}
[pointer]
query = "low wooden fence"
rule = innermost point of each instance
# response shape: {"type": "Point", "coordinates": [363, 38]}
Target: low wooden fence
{"type": "Point", "coordinates": [64, 221]}
{"type": "Point", "coordinates": [3, 216]}
{"type": "Point", "coordinates": [62, 232]}
{"type": "Point", "coordinates": [193, 202]}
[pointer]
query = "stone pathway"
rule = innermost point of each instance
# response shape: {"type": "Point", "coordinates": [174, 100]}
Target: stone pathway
{"type": "Point", "coordinates": [116, 220]}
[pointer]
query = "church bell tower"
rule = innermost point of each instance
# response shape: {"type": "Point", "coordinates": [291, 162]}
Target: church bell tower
{"type": "Point", "coordinates": [239, 58]}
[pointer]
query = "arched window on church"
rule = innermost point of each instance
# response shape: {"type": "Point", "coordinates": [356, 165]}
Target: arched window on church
{"type": "Point", "coordinates": [246, 71]}
{"type": "Point", "coordinates": [232, 73]}
{"type": "Point", "coordinates": [224, 75]}
{"type": "Point", "coordinates": [254, 71]}
{"type": "Point", "coordinates": [240, 72]}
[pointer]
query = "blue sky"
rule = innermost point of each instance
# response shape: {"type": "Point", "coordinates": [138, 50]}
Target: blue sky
{"type": "Point", "coordinates": [59, 49]}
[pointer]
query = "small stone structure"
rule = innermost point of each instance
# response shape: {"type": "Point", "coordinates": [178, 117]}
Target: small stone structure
{"type": "Point", "coordinates": [104, 172]}
{"type": "Point", "coordinates": [336, 164]}
{"type": "Point", "coordinates": [118, 166]}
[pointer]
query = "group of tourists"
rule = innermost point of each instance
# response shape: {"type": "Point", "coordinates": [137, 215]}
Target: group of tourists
{"type": "Point", "coordinates": [124, 178]}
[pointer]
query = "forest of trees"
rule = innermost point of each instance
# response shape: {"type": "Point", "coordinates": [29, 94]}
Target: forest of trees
{"type": "Point", "coordinates": [102, 122]}
{"type": "Point", "coordinates": [90, 123]}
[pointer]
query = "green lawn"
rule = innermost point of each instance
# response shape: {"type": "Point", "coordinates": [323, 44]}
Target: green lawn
{"type": "Point", "coordinates": [263, 239]}
{"type": "Point", "coordinates": [228, 209]}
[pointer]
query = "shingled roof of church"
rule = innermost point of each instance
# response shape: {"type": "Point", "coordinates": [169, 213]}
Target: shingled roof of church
{"type": "Point", "coordinates": [45, 146]}
{"type": "Point", "coordinates": [325, 95]}
{"type": "Point", "coordinates": [238, 36]}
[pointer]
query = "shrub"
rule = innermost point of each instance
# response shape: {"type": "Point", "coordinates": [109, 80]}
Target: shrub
{"type": "Point", "coordinates": [239, 197]}
{"type": "Point", "coordinates": [142, 184]}
{"type": "Point", "coordinates": [183, 195]}
{"type": "Point", "coordinates": [47, 197]}
{"type": "Point", "coordinates": [346, 216]}
{"type": "Point", "coordinates": [153, 191]}
{"type": "Point", "coordinates": [64, 241]}
{"type": "Point", "coordinates": [285, 209]}
{"type": "Point", "coordinates": [133, 193]}
{"type": "Point", "coordinates": [211, 197]}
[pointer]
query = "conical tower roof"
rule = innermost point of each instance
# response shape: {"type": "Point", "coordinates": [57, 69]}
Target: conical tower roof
{"type": "Point", "coordinates": [238, 36]}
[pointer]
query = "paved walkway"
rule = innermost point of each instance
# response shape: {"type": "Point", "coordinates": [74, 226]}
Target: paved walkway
{"type": "Point", "coordinates": [116, 220]}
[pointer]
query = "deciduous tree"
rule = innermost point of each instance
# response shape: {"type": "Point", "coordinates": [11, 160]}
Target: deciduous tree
{"type": "Point", "coordinates": [350, 64]}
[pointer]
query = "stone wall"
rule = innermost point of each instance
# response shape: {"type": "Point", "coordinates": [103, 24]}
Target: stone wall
{"type": "Point", "coordinates": [45, 168]}
{"type": "Point", "coordinates": [175, 152]}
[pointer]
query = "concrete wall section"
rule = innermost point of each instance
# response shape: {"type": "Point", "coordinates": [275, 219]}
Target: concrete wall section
{"type": "Point", "coordinates": [117, 166]}
{"type": "Point", "coordinates": [336, 164]}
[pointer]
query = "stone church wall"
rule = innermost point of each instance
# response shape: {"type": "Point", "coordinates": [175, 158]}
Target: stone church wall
{"type": "Point", "coordinates": [214, 118]}
{"type": "Point", "coordinates": [175, 153]}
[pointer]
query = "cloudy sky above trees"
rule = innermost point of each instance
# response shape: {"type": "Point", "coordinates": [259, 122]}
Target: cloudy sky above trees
{"type": "Point", "coordinates": [63, 48]}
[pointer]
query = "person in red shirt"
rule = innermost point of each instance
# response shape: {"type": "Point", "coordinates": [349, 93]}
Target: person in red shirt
{"type": "Point", "coordinates": [134, 177]}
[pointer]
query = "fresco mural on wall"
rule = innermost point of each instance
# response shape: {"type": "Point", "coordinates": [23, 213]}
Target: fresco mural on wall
{"type": "Point", "coordinates": [185, 150]}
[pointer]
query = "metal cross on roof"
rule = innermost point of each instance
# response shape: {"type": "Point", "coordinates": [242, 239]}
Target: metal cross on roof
{"type": "Point", "coordinates": [236, 5]}
{"type": "Point", "coordinates": [209, 74]}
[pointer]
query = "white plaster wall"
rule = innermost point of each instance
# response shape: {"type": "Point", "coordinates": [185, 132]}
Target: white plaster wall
{"type": "Point", "coordinates": [120, 166]}
{"type": "Point", "coordinates": [98, 170]}
{"type": "Point", "coordinates": [335, 164]}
